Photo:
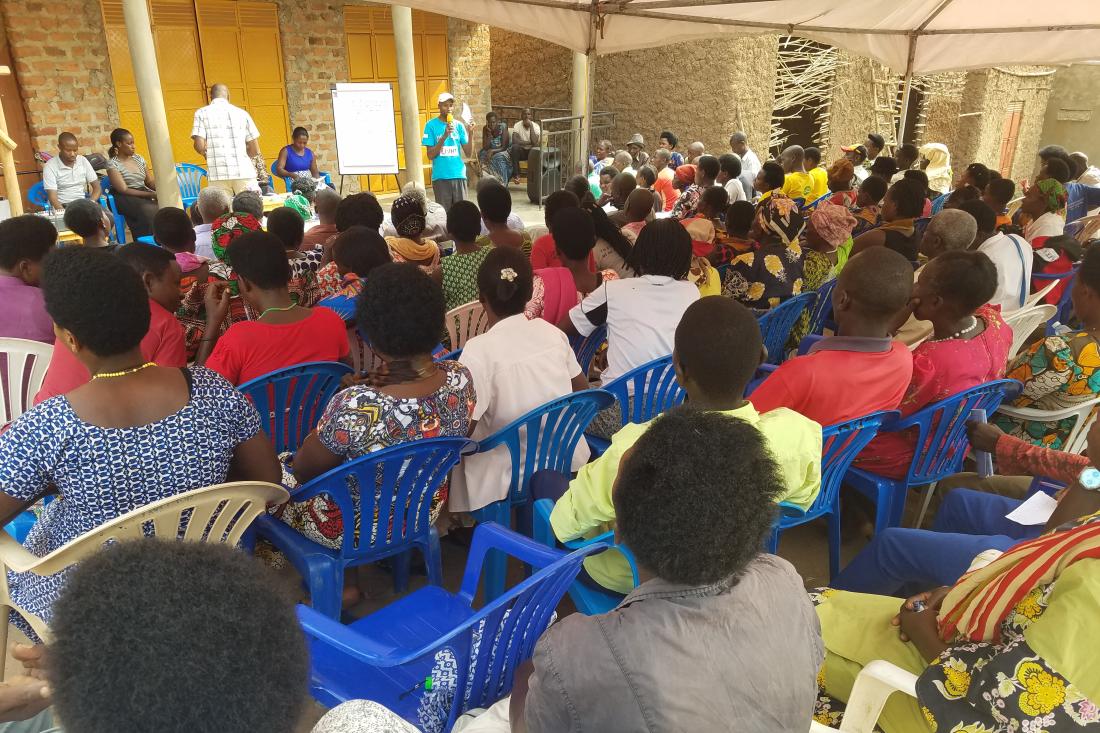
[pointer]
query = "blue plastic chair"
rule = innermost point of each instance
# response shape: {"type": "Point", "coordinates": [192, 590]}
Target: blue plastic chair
{"type": "Point", "coordinates": [290, 401]}
{"type": "Point", "coordinates": [37, 196]}
{"type": "Point", "coordinates": [1065, 302]}
{"type": "Point", "coordinates": [587, 599]}
{"type": "Point", "coordinates": [108, 200]}
{"type": "Point", "coordinates": [841, 443]}
{"type": "Point", "coordinates": [643, 393]}
{"type": "Point", "coordinates": [777, 323]}
{"type": "Point", "coordinates": [391, 517]}
{"type": "Point", "coordinates": [451, 356]}
{"type": "Point", "coordinates": [813, 204]}
{"type": "Point", "coordinates": [387, 655]}
{"type": "Point", "coordinates": [542, 440]}
{"type": "Point", "coordinates": [288, 181]}
{"type": "Point", "coordinates": [941, 446]}
{"type": "Point", "coordinates": [586, 348]}
{"type": "Point", "coordinates": [190, 178]}
{"type": "Point", "coordinates": [822, 310]}
{"type": "Point", "coordinates": [148, 239]}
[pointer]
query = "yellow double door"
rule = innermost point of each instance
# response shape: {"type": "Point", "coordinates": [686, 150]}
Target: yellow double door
{"type": "Point", "coordinates": [200, 43]}
{"type": "Point", "coordinates": [236, 42]}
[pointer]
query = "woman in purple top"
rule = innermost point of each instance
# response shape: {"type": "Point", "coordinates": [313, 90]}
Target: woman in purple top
{"type": "Point", "coordinates": [24, 243]}
{"type": "Point", "coordinates": [296, 159]}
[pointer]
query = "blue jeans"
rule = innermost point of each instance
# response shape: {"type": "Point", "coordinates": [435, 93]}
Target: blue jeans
{"type": "Point", "coordinates": [899, 561]}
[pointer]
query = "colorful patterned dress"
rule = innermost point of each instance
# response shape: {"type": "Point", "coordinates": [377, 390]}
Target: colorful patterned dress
{"type": "Point", "coordinates": [1057, 372]}
{"type": "Point", "coordinates": [361, 420]}
{"type": "Point", "coordinates": [1024, 674]}
{"type": "Point", "coordinates": [460, 276]}
{"type": "Point", "coordinates": [766, 277]}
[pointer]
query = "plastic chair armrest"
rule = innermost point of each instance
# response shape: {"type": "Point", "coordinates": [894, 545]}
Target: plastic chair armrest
{"type": "Point", "coordinates": [1031, 413]}
{"type": "Point", "coordinates": [874, 685]}
{"type": "Point", "coordinates": [492, 536]}
{"type": "Point", "coordinates": [807, 343]}
{"type": "Point", "coordinates": [793, 511]}
{"type": "Point", "coordinates": [16, 557]}
{"type": "Point", "coordinates": [347, 641]}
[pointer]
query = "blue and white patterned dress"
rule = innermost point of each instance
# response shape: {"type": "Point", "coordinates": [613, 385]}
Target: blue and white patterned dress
{"type": "Point", "coordinates": [102, 473]}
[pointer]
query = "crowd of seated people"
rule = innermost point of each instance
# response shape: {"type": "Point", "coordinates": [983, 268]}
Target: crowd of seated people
{"type": "Point", "coordinates": [670, 256]}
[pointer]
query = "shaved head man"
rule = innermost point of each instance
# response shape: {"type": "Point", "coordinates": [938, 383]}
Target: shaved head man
{"type": "Point", "coordinates": [226, 136]}
{"type": "Point", "coordinates": [695, 151]}
{"type": "Point", "coordinates": [792, 158]}
{"type": "Point", "coordinates": [797, 183]}
{"type": "Point", "coordinates": [750, 163]}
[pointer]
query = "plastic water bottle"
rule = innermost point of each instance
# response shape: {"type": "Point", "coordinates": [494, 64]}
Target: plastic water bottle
{"type": "Point", "coordinates": [981, 457]}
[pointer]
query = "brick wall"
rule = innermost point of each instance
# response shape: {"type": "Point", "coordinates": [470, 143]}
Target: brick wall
{"type": "Point", "coordinates": [64, 74]}
{"type": "Point", "coordinates": [468, 45]}
{"type": "Point", "coordinates": [315, 58]}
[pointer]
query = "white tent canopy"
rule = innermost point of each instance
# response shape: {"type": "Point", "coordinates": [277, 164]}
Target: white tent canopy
{"type": "Point", "coordinates": [914, 36]}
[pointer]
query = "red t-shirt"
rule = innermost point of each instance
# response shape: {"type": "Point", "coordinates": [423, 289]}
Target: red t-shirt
{"type": "Point", "coordinates": [835, 383]}
{"type": "Point", "coordinates": [163, 344]}
{"type": "Point", "coordinates": [544, 253]}
{"type": "Point", "coordinates": [250, 349]}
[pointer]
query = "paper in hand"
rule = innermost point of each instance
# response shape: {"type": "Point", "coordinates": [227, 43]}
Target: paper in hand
{"type": "Point", "coordinates": [1034, 511]}
{"type": "Point", "coordinates": [467, 116]}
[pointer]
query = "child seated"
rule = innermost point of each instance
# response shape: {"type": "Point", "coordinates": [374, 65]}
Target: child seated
{"type": "Point", "coordinates": [868, 204]}
{"type": "Point", "coordinates": [735, 238]}
{"type": "Point", "coordinates": [710, 605]}
{"type": "Point", "coordinates": [24, 243]}
{"type": "Point", "coordinates": [717, 349]}
{"type": "Point", "coordinates": [283, 335]}
{"type": "Point", "coordinates": [173, 231]}
{"type": "Point", "coordinates": [91, 221]}
{"type": "Point", "coordinates": [704, 225]}
{"type": "Point", "coordinates": [517, 365]}
{"type": "Point", "coordinates": [356, 252]}
{"type": "Point", "coordinates": [862, 369]}
{"type": "Point", "coordinates": [164, 341]}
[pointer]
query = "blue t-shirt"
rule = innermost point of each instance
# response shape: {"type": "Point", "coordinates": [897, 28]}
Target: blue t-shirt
{"type": "Point", "coordinates": [448, 164]}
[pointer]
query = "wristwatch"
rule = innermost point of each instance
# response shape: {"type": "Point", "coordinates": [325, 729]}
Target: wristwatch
{"type": "Point", "coordinates": [1090, 479]}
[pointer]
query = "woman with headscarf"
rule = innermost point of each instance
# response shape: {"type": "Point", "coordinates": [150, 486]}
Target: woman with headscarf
{"type": "Point", "coordinates": [765, 278]}
{"type": "Point", "coordinates": [409, 219]}
{"type": "Point", "coordinates": [936, 162]}
{"type": "Point", "coordinates": [826, 243]}
{"type": "Point", "coordinates": [1044, 203]}
{"type": "Point", "coordinates": [689, 192]}
{"type": "Point", "coordinates": [840, 175]}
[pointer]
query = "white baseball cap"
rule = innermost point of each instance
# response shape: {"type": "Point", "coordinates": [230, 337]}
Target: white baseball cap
{"type": "Point", "coordinates": [445, 97]}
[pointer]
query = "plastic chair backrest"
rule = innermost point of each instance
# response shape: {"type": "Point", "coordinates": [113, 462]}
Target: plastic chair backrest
{"type": "Point", "coordinates": [190, 178]}
{"type": "Point", "coordinates": [840, 444]}
{"type": "Point", "coordinates": [546, 437]}
{"type": "Point", "coordinates": [37, 196]}
{"type": "Point", "coordinates": [395, 487]}
{"type": "Point", "coordinates": [941, 429]}
{"type": "Point", "coordinates": [776, 324]}
{"type": "Point", "coordinates": [290, 401]}
{"type": "Point", "coordinates": [25, 363]}
{"type": "Point", "coordinates": [274, 176]}
{"type": "Point", "coordinates": [465, 322]}
{"type": "Point", "coordinates": [822, 308]}
{"type": "Point", "coordinates": [215, 514]}
{"type": "Point", "coordinates": [490, 644]}
{"type": "Point", "coordinates": [1024, 322]}
{"type": "Point", "coordinates": [586, 348]}
{"type": "Point", "coordinates": [646, 391]}
{"type": "Point", "coordinates": [1038, 295]}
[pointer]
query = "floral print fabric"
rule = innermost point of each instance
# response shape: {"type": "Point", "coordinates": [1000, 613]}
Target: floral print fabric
{"type": "Point", "coordinates": [766, 277]}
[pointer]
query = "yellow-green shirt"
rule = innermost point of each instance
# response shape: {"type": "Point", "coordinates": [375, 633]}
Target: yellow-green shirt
{"type": "Point", "coordinates": [798, 185]}
{"type": "Point", "coordinates": [821, 183]}
{"type": "Point", "coordinates": [586, 509]}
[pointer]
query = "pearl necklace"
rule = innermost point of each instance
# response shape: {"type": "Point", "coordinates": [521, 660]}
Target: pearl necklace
{"type": "Point", "coordinates": [960, 333]}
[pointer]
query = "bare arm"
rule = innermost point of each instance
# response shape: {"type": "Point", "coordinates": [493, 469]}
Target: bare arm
{"type": "Point", "coordinates": [55, 203]}
{"type": "Point", "coordinates": [313, 170]}
{"type": "Point", "coordinates": [280, 165]}
{"type": "Point", "coordinates": [200, 145]}
{"type": "Point", "coordinates": [313, 459]}
{"type": "Point", "coordinates": [580, 382]}
{"type": "Point", "coordinates": [118, 185]}
{"type": "Point", "coordinates": [255, 460]}
{"type": "Point", "coordinates": [518, 703]}
{"type": "Point", "coordinates": [252, 148]}
{"type": "Point", "coordinates": [150, 182]}
{"type": "Point", "coordinates": [95, 189]}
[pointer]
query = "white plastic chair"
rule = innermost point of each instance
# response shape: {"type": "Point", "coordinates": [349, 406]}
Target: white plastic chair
{"type": "Point", "coordinates": [465, 322]}
{"type": "Point", "coordinates": [874, 685]}
{"type": "Point", "coordinates": [1085, 412]}
{"type": "Point", "coordinates": [216, 514]}
{"type": "Point", "coordinates": [1034, 298]}
{"type": "Point", "coordinates": [26, 362]}
{"type": "Point", "coordinates": [1024, 322]}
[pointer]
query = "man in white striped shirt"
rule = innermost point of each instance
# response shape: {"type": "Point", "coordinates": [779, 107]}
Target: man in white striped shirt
{"type": "Point", "coordinates": [226, 136]}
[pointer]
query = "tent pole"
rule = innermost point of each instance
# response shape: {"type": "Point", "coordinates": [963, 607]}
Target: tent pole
{"type": "Point", "coordinates": [907, 88]}
{"type": "Point", "coordinates": [589, 91]}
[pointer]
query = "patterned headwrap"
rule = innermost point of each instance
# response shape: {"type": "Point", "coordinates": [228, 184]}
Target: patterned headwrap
{"type": "Point", "coordinates": [304, 186]}
{"type": "Point", "coordinates": [686, 174]}
{"type": "Point", "coordinates": [300, 205]}
{"type": "Point", "coordinates": [833, 222]}
{"type": "Point", "coordinates": [779, 216]}
{"type": "Point", "coordinates": [408, 216]}
{"type": "Point", "coordinates": [841, 170]}
{"type": "Point", "coordinates": [228, 227]}
{"type": "Point", "coordinates": [1055, 194]}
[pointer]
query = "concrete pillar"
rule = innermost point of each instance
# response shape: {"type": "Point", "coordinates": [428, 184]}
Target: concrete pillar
{"type": "Point", "coordinates": [406, 80]}
{"type": "Point", "coordinates": [7, 160]}
{"type": "Point", "coordinates": [580, 108]}
{"type": "Point", "coordinates": [143, 56]}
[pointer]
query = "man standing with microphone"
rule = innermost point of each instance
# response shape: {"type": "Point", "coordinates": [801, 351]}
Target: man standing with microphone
{"type": "Point", "coordinates": [446, 139]}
